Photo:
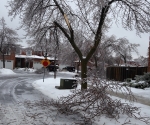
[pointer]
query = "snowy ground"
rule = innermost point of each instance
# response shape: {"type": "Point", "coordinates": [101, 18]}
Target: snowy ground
{"type": "Point", "coordinates": [48, 88]}
{"type": "Point", "coordinates": [4, 71]}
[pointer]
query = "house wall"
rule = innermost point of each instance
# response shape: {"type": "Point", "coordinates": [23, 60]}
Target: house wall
{"type": "Point", "coordinates": [38, 53]}
{"type": "Point", "coordinates": [13, 62]}
{"type": "Point", "coordinates": [9, 61]}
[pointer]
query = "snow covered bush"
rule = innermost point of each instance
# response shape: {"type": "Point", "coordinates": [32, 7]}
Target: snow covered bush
{"type": "Point", "coordinates": [133, 83]}
{"type": "Point", "coordinates": [143, 81]}
{"type": "Point", "coordinates": [145, 77]}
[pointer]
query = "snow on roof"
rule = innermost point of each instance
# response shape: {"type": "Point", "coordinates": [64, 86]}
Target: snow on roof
{"type": "Point", "coordinates": [34, 57]}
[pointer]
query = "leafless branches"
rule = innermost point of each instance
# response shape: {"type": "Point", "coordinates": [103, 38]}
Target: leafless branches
{"type": "Point", "coordinates": [8, 39]}
{"type": "Point", "coordinates": [95, 102]}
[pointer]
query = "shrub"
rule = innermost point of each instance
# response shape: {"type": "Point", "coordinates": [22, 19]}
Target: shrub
{"type": "Point", "coordinates": [143, 81]}
{"type": "Point", "coordinates": [145, 77]}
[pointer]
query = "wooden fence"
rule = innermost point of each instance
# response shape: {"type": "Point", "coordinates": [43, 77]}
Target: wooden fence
{"type": "Point", "coordinates": [122, 73]}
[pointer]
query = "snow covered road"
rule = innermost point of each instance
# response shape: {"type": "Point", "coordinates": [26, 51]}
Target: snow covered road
{"type": "Point", "coordinates": [18, 88]}
{"type": "Point", "coordinates": [15, 90]}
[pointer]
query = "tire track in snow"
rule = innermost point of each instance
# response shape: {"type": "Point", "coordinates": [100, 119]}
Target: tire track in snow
{"type": "Point", "coordinates": [6, 91]}
{"type": "Point", "coordinates": [15, 89]}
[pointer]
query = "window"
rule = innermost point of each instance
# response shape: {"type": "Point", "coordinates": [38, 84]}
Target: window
{"type": "Point", "coordinates": [29, 52]}
{"type": "Point", "coordinates": [7, 52]}
{"type": "Point", "coordinates": [18, 51]}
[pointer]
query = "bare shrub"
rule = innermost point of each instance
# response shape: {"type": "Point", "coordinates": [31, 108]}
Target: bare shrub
{"type": "Point", "coordinates": [95, 102]}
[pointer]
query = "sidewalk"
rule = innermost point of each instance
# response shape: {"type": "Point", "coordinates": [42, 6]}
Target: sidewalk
{"type": "Point", "coordinates": [139, 99]}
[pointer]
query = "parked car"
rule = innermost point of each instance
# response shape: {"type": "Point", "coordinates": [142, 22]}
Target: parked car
{"type": "Point", "coordinates": [52, 68]}
{"type": "Point", "coordinates": [69, 68]}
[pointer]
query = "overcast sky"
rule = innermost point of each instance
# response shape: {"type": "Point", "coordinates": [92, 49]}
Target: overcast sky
{"type": "Point", "coordinates": [115, 30]}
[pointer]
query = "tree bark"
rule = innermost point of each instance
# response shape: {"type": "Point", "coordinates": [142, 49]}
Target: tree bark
{"type": "Point", "coordinates": [84, 74]}
{"type": "Point", "coordinates": [78, 64]}
{"type": "Point", "coordinates": [3, 60]}
{"type": "Point", "coordinates": [95, 58]}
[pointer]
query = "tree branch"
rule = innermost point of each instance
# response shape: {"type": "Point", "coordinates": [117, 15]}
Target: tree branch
{"type": "Point", "coordinates": [71, 39]}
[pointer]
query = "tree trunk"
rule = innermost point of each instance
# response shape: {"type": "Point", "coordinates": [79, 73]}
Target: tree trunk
{"type": "Point", "coordinates": [125, 61]}
{"type": "Point", "coordinates": [84, 74]}
{"type": "Point", "coordinates": [55, 68]}
{"type": "Point", "coordinates": [3, 60]}
{"type": "Point", "coordinates": [95, 58]}
{"type": "Point", "coordinates": [78, 64]}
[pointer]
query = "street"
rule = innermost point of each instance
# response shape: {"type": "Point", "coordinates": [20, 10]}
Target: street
{"type": "Point", "coordinates": [18, 88]}
{"type": "Point", "coordinates": [14, 91]}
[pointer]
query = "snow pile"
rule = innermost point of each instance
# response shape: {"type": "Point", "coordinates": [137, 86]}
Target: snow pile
{"type": "Point", "coordinates": [48, 88]}
{"type": "Point", "coordinates": [29, 69]}
{"type": "Point", "coordinates": [66, 72]}
{"type": "Point", "coordinates": [4, 71]}
{"type": "Point", "coordinates": [144, 93]}
{"type": "Point", "coordinates": [25, 69]}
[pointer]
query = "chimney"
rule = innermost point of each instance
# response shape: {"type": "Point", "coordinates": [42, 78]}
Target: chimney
{"type": "Point", "coordinates": [148, 70]}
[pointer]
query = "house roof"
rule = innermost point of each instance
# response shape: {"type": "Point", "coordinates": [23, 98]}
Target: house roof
{"type": "Point", "coordinates": [34, 57]}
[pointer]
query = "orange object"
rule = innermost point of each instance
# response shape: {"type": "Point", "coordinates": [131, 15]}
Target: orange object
{"type": "Point", "coordinates": [45, 62]}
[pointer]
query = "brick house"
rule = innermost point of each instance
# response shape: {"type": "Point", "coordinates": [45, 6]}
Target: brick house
{"type": "Point", "coordinates": [9, 59]}
{"type": "Point", "coordinates": [24, 57]}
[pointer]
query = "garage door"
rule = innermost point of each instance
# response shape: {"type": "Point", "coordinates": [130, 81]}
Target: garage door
{"type": "Point", "coordinates": [8, 64]}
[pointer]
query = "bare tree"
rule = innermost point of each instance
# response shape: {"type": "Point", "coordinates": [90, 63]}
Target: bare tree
{"type": "Point", "coordinates": [121, 47]}
{"type": "Point", "coordinates": [48, 43]}
{"type": "Point", "coordinates": [103, 53]}
{"type": "Point", "coordinates": [88, 16]}
{"type": "Point", "coordinates": [118, 60]}
{"type": "Point", "coordinates": [67, 54]}
{"type": "Point", "coordinates": [8, 38]}
{"type": "Point", "coordinates": [143, 61]}
{"type": "Point", "coordinates": [124, 49]}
